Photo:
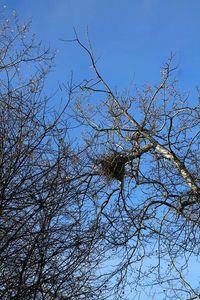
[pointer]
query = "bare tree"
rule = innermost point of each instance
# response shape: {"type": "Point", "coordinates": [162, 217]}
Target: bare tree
{"type": "Point", "coordinates": [47, 243]}
{"type": "Point", "coordinates": [142, 151]}
{"type": "Point", "coordinates": [108, 217]}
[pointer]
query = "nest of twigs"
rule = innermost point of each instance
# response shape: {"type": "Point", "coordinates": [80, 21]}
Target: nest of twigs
{"type": "Point", "coordinates": [112, 165]}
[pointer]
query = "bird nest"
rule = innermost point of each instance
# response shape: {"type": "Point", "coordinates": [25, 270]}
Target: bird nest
{"type": "Point", "coordinates": [112, 165]}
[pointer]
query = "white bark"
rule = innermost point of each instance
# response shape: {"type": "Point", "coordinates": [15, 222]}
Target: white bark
{"type": "Point", "coordinates": [180, 166]}
{"type": "Point", "coordinates": [165, 153]}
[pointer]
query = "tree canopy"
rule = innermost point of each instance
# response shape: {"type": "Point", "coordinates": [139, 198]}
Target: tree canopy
{"type": "Point", "coordinates": [112, 215]}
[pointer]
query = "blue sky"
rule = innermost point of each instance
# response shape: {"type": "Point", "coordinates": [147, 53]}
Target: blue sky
{"type": "Point", "coordinates": [131, 38]}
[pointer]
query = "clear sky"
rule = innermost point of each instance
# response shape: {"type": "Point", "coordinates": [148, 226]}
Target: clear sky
{"type": "Point", "coordinates": [131, 38]}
